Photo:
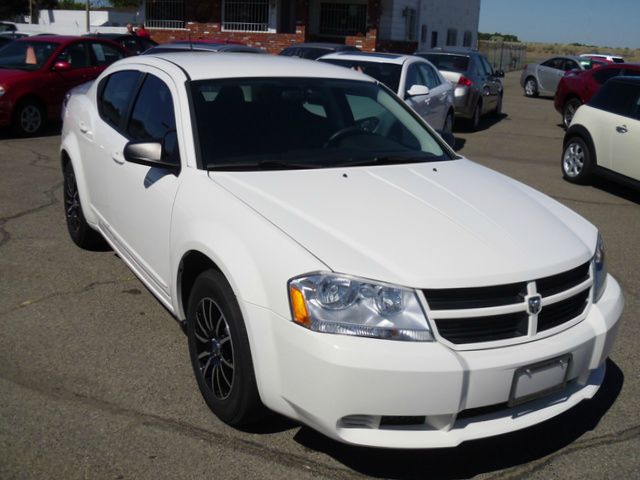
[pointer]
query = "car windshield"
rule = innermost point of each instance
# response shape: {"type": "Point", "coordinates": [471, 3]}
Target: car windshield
{"type": "Point", "coordinates": [387, 73]}
{"type": "Point", "coordinates": [288, 123]}
{"type": "Point", "coordinates": [26, 55]}
{"type": "Point", "coordinates": [447, 62]}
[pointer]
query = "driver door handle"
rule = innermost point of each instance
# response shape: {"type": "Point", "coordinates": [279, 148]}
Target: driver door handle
{"type": "Point", "coordinates": [118, 157]}
{"type": "Point", "coordinates": [622, 129]}
{"type": "Point", "coordinates": [84, 128]}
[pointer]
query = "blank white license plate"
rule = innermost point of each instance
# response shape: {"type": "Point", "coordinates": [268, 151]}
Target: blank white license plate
{"type": "Point", "coordinates": [539, 379]}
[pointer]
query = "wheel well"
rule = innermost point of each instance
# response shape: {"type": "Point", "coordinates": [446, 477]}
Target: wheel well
{"type": "Point", "coordinates": [64, 159]}
{"type": "Point", "coordinates": [193, 263]}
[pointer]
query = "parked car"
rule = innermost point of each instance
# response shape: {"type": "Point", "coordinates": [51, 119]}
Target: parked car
{"type": "Point", "coordinates": [367, 282]}
{"type": "Point", "coordinates": [36, 72]}
{"type": "Point", "coordinates": [133, 44]}
{"type": "Point", "coordinates": [477, 87]}
{"type": "Point", "coordinates": [315, 50]}
{"type": "Point", "coordinates": [603, 57]}
{"type": "Point", "coordinates": [576, 89]}
{"type": "Point", "coordinates": [543, 78]}
{"type": "Point", "coordinates": [203, 46]}
{"type": "Point", "coordinates": [413, 79]}
{"type": "Point", "coordinates": [604, 136]}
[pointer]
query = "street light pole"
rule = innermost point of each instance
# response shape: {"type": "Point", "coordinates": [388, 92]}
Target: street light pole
{"type": "Point", "coordinates": [87, 22]}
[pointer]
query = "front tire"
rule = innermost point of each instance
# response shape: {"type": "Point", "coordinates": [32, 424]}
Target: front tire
{"type": "Point", "coordinates": [531, 87]}
{"type": "Point", "coordinates": [577, 161]}
{"type": "Point", "coordinates": [569, 110]}
{"type": "Point", "coordinates": [80, 231]}
{"type": "Point", "coordinates": [28, 118]}
{"type": "Point", "coordinates": [219, 351]}
{"type": "Point", "coordinates": [474, 122]}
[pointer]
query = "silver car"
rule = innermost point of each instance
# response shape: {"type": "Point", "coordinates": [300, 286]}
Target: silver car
{"type": "Point", "coordinates": [543, 78]}
{"type": "Point", "coordinates": [413, 79]}
{"type": "Point", "coordinates": [477, 87]}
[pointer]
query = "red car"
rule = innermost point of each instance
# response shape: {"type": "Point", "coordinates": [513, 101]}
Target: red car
{"type": "Point", "coordinates": [578, 87]}
{"type": "Point", "coordinates": [37, 72]}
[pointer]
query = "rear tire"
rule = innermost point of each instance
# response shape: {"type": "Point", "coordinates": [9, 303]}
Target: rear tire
{"type": "Point", "coordinates": [80, 231]}
{"type": "Point", "coordinates": [448, 123]}
{"type": "Point", "coordinates": [531, 87]}
{"type": "Point", "coordinates": [569, 110]}
{"type": "Point", "coordinates": [577, 161]}
{"type": "Point", "coordinates": [28, 118]}
{"type": "Point", "coordinates": [498, 111]}
{"type": "Point", "coordinates": [220, 353]}
{"type": "Point", "coordinates": [474, 122]}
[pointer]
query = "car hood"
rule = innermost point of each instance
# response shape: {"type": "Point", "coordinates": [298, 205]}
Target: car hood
{"type": "Point", "coordinates": [429, 225]}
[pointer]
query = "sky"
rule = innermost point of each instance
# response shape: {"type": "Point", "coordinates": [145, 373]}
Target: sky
{"type": "Point", "coordinates": [612, 23]}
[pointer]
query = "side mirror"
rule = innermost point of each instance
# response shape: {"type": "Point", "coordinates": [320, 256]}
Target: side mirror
{"type": "Point", "coordinates": [62, 66]}
{"type": "Point", "coordinates": [149, 154]}
{"type": "Point", "coordinates": [499, 73]}
{"type": "Point", "coordinates": [416, 90]}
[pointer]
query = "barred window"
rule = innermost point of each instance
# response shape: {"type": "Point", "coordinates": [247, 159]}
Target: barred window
{"type": "Point", "coordinates": [409, 15]}
{"type": "Point", "coordinates": [452, 37]}
{"type": "Point", "coordinates": [341, 19]}
{"type": "Point", "coordinates": [164, 13]}
{"type": "Point", "coordinates": [246, 15]}
{"type": "Point", "coordinates": [468, 38]}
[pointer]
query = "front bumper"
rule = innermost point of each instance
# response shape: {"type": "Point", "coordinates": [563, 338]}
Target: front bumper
{"type": "Point", "coordinates": [343, 386]}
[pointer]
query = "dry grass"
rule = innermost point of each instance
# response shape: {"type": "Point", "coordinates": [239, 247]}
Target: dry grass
{"type": "Point", "coordinates": [540, 51]}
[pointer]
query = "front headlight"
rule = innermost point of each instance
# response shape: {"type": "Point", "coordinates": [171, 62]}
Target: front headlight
{"type": "Point", "coordinates": [599, 270]}
{"type": "Point", "coordinates": [332, 303]}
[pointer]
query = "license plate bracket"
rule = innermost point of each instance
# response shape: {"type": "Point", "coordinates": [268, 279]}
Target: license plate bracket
{"type": "Point", "coordinates": [539, 379]}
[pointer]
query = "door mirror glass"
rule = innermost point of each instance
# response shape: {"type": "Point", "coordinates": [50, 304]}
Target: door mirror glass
{"type": "Point", "coordinates": [416, 90]}
{"type": "Point", "coordinates": [147, 153]}
{"type": "Point", "coordinates": [62, 66]}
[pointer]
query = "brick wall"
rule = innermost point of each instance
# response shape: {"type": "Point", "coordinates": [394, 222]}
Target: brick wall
{"type": "Point", "coordinates": [366, 43]}
{"type": "Point", "coordinates": [271, 42]}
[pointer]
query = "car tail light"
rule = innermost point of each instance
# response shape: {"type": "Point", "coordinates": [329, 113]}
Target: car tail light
{"type": "Point", "coordinates": [464, 81]}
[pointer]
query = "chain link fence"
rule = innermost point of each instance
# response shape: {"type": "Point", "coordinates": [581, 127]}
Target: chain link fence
{"type": "Point", "coordinates": [507, 56]}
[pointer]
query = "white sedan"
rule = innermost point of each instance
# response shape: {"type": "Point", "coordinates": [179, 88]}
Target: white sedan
{"type": "Point", "coordinates": [604, 135]}
{"type": "Point", "coordinates": [412, 78]}
{"type": "Point", "coordinates": [351, 272]}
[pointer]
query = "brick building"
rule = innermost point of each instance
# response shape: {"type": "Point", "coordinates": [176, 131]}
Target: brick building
{"type": "Point", "coordinates": [372, 25]}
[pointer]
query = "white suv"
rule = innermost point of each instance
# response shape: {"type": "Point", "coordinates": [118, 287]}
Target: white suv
{"type": "Point", "coordinates": [604, 136]}
{"type": "Point", "coordinates": [332, 258]}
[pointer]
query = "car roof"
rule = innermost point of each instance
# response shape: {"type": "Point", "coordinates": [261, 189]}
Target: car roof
{"type": "Point", "coordinates": [107, 35]}
{"type": "Point", "coordinates": [200, 66]}
{"type": "Point", "coordinates": [326, 45]}
{"type": "Point", "coordinates": [369, 57]}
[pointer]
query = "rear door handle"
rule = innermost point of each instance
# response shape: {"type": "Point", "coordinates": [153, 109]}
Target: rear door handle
{"type": "Point", "coordinates": [84, 128]}
{"type": "Point", "coordinates": [118, 157]}
{"type": "Point", "coordinates": [622, 129]}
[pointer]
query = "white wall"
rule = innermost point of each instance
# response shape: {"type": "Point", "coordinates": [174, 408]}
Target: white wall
{"type": "Point", "coordinates": [440, 15]}
{"type": "Point", "coordinates": [73, 22]}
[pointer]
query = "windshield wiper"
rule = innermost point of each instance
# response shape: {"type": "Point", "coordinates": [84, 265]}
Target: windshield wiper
{"type": "Point", "coordinates": [262, 165]}
{"type": "Point", "coordinates": [383, 160]}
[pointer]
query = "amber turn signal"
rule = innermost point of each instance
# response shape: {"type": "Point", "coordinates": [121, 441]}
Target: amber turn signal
{"type": "Point", "coordinates": [299, 308]}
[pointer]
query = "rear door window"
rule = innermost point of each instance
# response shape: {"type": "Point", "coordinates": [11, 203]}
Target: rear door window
{"type": "Point", "coordinates": [572, 65]}
{"type": "Point", "coordinates": [104, 54]}
{"type": "Point", "coordinates": [115, 95]}
{"type": "Point", "coordinates": [77, 55]}
{"type": "Point", "coordinates": [617, 97]}
{"type": "Point", "coordinates": [556, 63]}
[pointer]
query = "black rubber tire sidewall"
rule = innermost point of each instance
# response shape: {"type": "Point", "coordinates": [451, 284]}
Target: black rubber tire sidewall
{"type": "Point", "coordinates": [585, 174]}
{"type": "Point", "coordinates": [243, 405]}
{"type": "Point", "coordinates": [474, 121]}
{"type": "Point", "coordinates": [16, 125]}
{"type": "Point", "coordinates": [84, 236]}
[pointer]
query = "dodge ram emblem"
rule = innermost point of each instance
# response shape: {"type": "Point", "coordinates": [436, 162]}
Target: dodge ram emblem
{"type": "Point", "coordinates": [534, 304]}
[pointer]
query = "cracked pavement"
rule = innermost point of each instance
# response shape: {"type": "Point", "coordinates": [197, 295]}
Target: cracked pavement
{"type": "Point", "coordinates": [95, 380]}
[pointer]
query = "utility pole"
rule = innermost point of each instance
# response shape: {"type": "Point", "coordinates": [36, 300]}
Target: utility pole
{"type": "Point", "coordinates": [30, 11]}
{"type": "Point", "coordinates": [88, 25]}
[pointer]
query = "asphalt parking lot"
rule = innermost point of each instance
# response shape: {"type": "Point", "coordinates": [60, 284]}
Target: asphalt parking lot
{"type": "Point", "coordinates": [95, 380]}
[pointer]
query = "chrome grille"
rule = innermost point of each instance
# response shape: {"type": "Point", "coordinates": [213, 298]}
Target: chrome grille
{"type": "Point", "coordinates": [465, 316]}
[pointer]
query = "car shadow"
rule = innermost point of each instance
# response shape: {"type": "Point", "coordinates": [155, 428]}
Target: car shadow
{"type": "Point", "coordinates": [627, 192]}
{"type": "Point", "coordinates": [478, 456]}
{"type": "Point", "coordinates": [50, 130]}
{"type": "Point", "coordinates": [486, 122]}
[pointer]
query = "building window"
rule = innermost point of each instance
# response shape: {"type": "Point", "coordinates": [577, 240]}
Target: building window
{"type": "Point", "coordinates": [342, 19]}
{"type": "Point", "coordinates": [468, 38]}
{"type": "Point", "coordinates": [245, 15]}
{"type": "Point", "coordinates": [164, 14]}
{"type": "Point", "coordinates": [409, 15]}
{"type": "Point", "coordinates": [434, 39]}
{"type": "Point", "coordinates": [423, 34]}
{"type": "Point", "coordinates": [452, 37]}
